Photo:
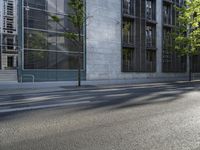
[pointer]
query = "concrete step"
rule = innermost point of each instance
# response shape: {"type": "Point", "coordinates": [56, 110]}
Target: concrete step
{"type": "Point", "coordinates": [8, 75]}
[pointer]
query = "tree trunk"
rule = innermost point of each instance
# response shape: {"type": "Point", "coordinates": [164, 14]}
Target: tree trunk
{"type": "Point", "coordinates": [79, 70]}
{"type": "Point", "coordinates": [79, 59]}
{"type": "Point", "coordinates": [190, 69]}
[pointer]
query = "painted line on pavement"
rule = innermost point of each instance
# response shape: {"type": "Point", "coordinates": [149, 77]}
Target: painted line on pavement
{"type": "Point", "coordinates": [43, 107]}
{"type": "Point", "coordinates": [42, 99]}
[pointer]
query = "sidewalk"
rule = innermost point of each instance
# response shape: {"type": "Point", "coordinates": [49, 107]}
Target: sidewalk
{"type": "Point", "coordinates": [14, 85]}
{"type": "Point", "coordinates": [15, 100]}
{"type": "Point", "coordinates": [7, 88]}
{"type": "Point", "coordinates": [28, 96]}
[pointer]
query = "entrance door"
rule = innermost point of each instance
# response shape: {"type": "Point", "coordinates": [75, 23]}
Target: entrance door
{"type": "Point", "coordinates": [10, 62]}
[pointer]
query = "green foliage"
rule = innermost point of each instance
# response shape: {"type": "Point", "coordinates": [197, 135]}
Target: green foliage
{"type": "Point", "coordinates": [187, 32]}
{"type": "Point", "coordinates": [126, 53]}
{"type": "Point", "coordinates": [37, 40]}
{"type": "Point", "coordinates": [126, 27]}
{"type": "Point", "coordinates": [55, 18]}
{"type": "Point", "coordinates": [71, 35]}
{"type": "Point", "coordinates": [77, 18]}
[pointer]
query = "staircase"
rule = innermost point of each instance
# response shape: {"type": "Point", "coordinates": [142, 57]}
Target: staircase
{"type": "Point", "coordinates": [8, 75]}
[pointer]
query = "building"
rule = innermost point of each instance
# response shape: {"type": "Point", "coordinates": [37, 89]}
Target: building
{"type": "Point", "coordinates": [124, 39]}
{"type": "Point", "coordinates": [8, 34]}
{"type": "Point", "coordinates": [8, 40]}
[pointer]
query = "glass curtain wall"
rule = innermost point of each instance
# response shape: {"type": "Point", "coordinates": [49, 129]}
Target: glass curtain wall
{"type": "Point", "coordinates": [45, 46]}
{"type": "Point", "coordinates": [150, 35]}
{"type": "Point", "coordinates": [171, 61]}
{"type": "Point", "coordinates": [128, 36]}
{"type": "Point", "coordinates": [138, 36]}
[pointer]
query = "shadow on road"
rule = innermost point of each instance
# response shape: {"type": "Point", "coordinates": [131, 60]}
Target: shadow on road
{"type": "Point", "coordinates": [149, 94]}
{"type": "Point", "coordinates": [87, 98]}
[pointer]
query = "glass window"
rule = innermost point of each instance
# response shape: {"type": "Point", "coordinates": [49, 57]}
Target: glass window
{"type": "Point", "coordinates": [45, 45]}
{"type": "Point", "coordinates": [52, 25]}
{"type": "Point", "coordinates": [149, 10]}
{"type": "Point", "coordinates": [151, 60]}
{"type": "Point", "coordinates": [128, 59]}
{"type": "Point", "coordinates": [35, 19]}
{"type": "Point", "coordinates": [10, 43]}
{"type": "Point", "coordinates": [64, 44]}
{"type": "Point", "coordinates": [128, 32]}
{"type": "Point", "coordinates": [68, 61]}
{"type": "Point", "coordinates": [51, 60]}
{"type": "Point", "coordinates": [65, 24]}
{"type": "Point", "coordinates": [167, 40]}
{"type": "Point", "coordinates": [54, 6]}
{"type": "Point", "coordinates": [10, 61]}
{"type": "Point", "coordinates": [39, 4]}
{"type": "Point", "coordinates": [150, 36]}
{"type": "Point", "coordinates": [52, 41]}
{"type": "Point", "coordinates": [35, 39]}
{"type": "Point", "coordinates": [167, 14]}
{"type": "Point", "coordinates": [128, 7]}
{"type": "Point", "coordinates": [35, 59]}
{"type": "Point", "coordinates": [150, 56]}
{"type": "Point", "coordinates": [62, 7]}
{"type": "Point", "coordinates": [51, 5]}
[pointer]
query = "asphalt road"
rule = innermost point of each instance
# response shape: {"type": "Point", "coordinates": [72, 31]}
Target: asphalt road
{"type": "Point", "coordinates": [124, 117]}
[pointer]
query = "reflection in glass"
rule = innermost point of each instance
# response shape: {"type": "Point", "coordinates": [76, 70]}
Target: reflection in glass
{"type": "Point", "coordinates": [51, 5]}
{"type": "Point", "coordinates": [128, 32]}
{"type": "Point", "coordinates": [52, 40]}
{"type": "Point", "coordinates": [39, 4]}
{"type": "Point", "coordinates": [35, 19]}
{"type": "Point", "coordinates": [128, 59]}
{"type": "Point", "coordinates": [35, 39]}
{"type": "Point", "coordinates": [45, 45]}
{"type": "Point", "coordinates": [50, 60]}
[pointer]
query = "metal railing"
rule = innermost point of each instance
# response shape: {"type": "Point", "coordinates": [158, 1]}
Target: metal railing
{"type": "Point", "coordinates": [28, 75]}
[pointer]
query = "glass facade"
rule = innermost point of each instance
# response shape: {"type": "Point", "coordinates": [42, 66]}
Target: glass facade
{"type": "Point", "coordinates": [45, 46]}
{"type": "Point", "coordinates": [128, 35]}
{"type": "Point", "coordinates": [128, 7]}
{"type": "Point", "coordinates": [150, 9]}
{"type": "Point", "coordinates": [128, 59]}
{"type": "Point", "coordinates": [167, 13]}
{"type": "Point", "coordinates": [150, 36]}
{"type": "Point", "coordinates": [171, 61]}
{"type": "Point", "coordinates": [139, 36]}
{"type": "Point", "coordinates": [128, 32]}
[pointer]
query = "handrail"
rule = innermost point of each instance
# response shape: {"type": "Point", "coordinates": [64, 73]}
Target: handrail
{"type": "Point", "coordinates": [28, 75]}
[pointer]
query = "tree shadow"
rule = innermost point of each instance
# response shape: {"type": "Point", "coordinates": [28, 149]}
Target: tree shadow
{"type": "Point", "coordinates": [146, 95]}
{"type": "Point", "coordinates": [106, 97]}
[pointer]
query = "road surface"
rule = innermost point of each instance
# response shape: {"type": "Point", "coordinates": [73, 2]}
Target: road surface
{"type": "Point", "coordinates": [159, 116]}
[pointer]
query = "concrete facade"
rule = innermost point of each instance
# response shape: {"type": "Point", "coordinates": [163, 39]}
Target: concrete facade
{"type": "Point", "coordinates": [159, 32]}
{"type": "Point", "coordinates": [104, 43]}
{"type": "Point", "coordinates": [103, 55]}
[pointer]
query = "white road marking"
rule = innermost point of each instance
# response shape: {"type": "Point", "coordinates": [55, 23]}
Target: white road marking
{"type": "Point", "coordinates": [43, 106]}
{"type": "Point", "coordinates": [118, 95]}
{"type": "Point", "coordinates": [41, 99]}
{"type": "Point", "coordinates": [104, 90]}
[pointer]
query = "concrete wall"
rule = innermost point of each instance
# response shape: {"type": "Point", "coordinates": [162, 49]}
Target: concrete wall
{"type": "Point", "coordinates": [159, 33]}
{"type": "Point", "coordinates": [103, 58]}
{"type": "Point", "coordinates": [103, 51]}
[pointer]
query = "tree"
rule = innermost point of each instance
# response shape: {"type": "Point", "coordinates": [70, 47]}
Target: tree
{"type": "Point", "coordinates": [77, 18]}
{"type": "Point", "coordinates": [187, 31]}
